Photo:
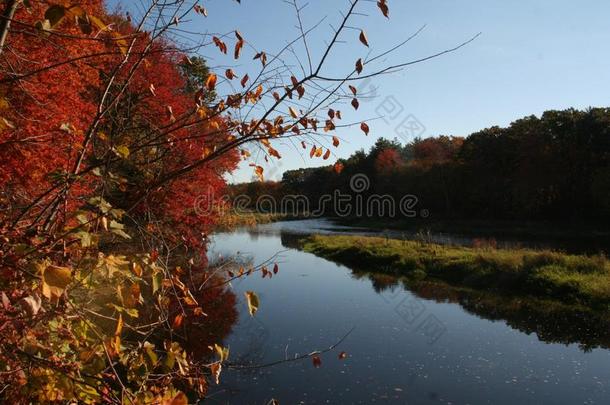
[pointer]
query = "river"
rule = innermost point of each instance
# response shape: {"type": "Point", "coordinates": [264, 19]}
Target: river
{"type": "Point", "coordinates": [409, 344]}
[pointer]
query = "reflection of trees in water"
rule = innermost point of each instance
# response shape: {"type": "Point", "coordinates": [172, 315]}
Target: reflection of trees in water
{"type": "Point", "coordinates": [219, 303]}
{"type": "Point", "coordinates": [551, 321]}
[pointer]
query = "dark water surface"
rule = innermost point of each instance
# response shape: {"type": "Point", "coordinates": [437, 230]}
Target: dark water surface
{"type": "Point", "coordinates": [411, 344]}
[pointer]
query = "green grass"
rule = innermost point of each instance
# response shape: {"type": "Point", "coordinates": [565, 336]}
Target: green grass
{"type": "Point", "coordinates": [569, 278]}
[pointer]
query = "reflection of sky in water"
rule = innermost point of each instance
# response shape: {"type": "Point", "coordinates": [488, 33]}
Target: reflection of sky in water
{"type": "Point", "coordinates": [312, 302]}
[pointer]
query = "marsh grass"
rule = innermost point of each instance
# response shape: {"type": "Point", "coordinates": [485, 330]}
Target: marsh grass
{"type": "Point", "coordinates": [569, 278]}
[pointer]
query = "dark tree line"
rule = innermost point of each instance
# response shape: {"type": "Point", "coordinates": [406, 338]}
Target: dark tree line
{"type": "Point", "coordinates": [552, 168]}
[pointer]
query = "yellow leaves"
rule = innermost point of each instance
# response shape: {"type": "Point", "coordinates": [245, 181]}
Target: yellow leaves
{"type": "Point", "coordinates": [365, 128]}
{"type": "Point", "coordinates": [363, 38]}
{"type": "Point", "coordinates": [222, 352]}
{"type": "Point", "coordinates": [293, 113]}
{"type": "Point", "coordinates": [230, 74]}
{"type": "Point", "coordinates": [252, 301]}
{"type": "Point", "coordinates": [130, 295]}
{"type": "Point", "coordinates": [359, 66]}
{"type": "Point", "coordinates": [119, 326]}
{"type": "Point", "coordinates": [383, 6]}
{"type": "Point", "coordinates": [318, 152]}
{"type": "Point", "coordinates": [122, 151]}
{"type": "Point", "coordinates": [335, 141]}
{"type": "Point", "coordinates": [210, 82]}
{"type": "Point", "coordinates": [55, 279]}
{"type": "Point", "coordinates": [355, 103]}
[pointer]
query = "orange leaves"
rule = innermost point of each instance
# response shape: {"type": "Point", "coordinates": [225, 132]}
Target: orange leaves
{"type": "Point", "coordinates": [363, 38]}
{"type": "Point", "coordinates": [383, 6]}
{"type": "Point", "coordinates": [293, 113]}
{"type": "Point", "coordinates": [229, 74]}
{"type": "Point", "coordinates": [365, 128]}
{"type": "Point", "coordinates": [210, 82]}
{"type": "Point", "coordinates": [338, 167]}
{"type": "Point", "coordinates": [274, 152]}
{"type": "Point", "coordinates": [238, 45]}
{"type": "Point", "coordinates": [258, 170]}
{"type": "Point", "coordinates": [326, 155]}
{"type": "Point", "coordinates": [262, 56]}
{"type": "Point", "coordinates": [244, 80]}
{"type": "Point", "coordinates": [335, 141]}
{"type": "Point", "coordinates": [220, 45]}
{"type": "Point", "coordinates": [216, 368]}
{"type": "Point", "coordinates": [312, 152]}
{"type": "Point", "coordinates": [359, 66]}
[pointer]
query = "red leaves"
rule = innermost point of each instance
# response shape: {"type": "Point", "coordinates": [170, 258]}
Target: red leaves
{"type": "Point", "coordinates": [365, 128]}
{"type": "Point", "coordinates": [363, 38]}
{"type": "Point", "coordinates": [383, 6]}
{"type": "Point", "coordinates": [220, 45]}
{"type": "Point", "coordinates": [229, 74]}
{"type": "Point", "coordinates": [317, 362]}
{"type": "Point", "coordinates": [338, 167]}
{"type": "Point", "coordinates": [238, 45]}
{"type": "Point", "coordinates": [335, 141]}
{"type": "Point", "coordinates": [359, 66]}
{"type": "Point", "coordinates": [244, 80]}
{"type": "Point", "coordinates": [342, 356]}
{"type": "Point", "coordinates": [355, 103]}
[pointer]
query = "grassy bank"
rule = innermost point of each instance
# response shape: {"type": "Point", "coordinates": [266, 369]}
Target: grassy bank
{"type": "Point", "coordinates": [569, 278]}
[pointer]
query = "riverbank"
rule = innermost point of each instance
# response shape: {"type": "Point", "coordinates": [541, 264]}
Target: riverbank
{"type": "Point", "coordinates": [569, 278]}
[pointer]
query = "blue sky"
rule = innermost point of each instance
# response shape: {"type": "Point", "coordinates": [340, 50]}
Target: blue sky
{"type": "Point", "coordinates": [533, 55]}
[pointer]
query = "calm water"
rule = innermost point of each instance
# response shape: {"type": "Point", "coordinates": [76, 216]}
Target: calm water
{"type": "Point", "coordinates": [421, 344]}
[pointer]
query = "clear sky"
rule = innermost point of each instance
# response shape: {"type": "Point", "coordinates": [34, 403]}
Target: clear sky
{"type": "Point", "coordinates": [533, 55]}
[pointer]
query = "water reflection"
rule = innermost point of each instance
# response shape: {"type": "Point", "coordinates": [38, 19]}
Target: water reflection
{"type": "Point", "coordinates": [494, 349]}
